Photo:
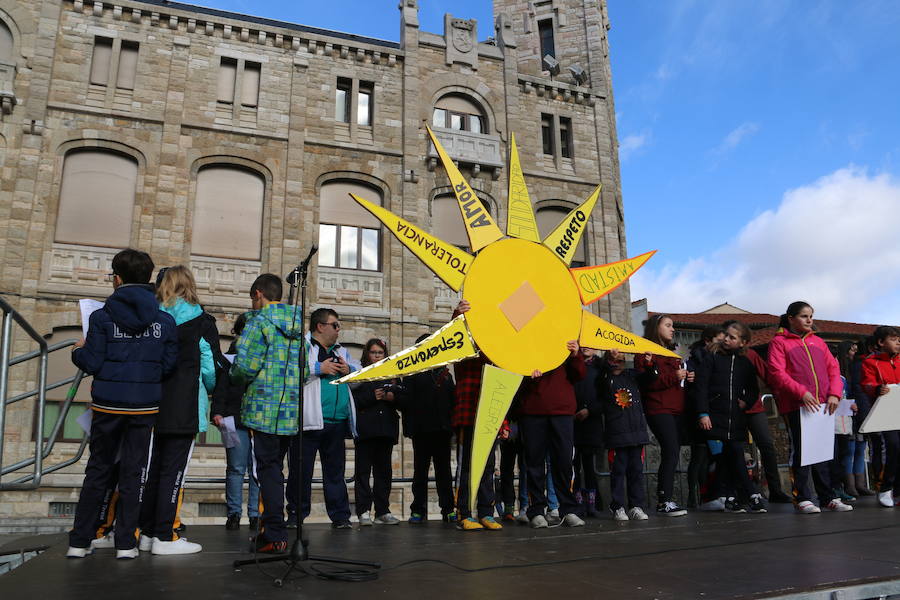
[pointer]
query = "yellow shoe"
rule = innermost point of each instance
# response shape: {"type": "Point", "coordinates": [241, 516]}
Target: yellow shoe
{"type": "Point", "coordinates": [469, 524]}
{"type": "Point", "coordinates": [490, 523]}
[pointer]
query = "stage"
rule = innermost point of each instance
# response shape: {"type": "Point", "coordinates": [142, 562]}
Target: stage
{"type": "Point", "coordinates": [703, 555]}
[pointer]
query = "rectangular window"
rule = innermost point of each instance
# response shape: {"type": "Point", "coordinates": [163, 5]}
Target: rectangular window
{"type": "Point", "coordinates": [101, 60]}
{"type": "Point", "coordinates": [545, 31]}
{"type": "Point", "coordinates": [342, 100]}
{"type": "Point", "coordinates": [70, 431]}
{"type": "Point", "coordinates": [476, 125]}
{"type": "Point", "coordinates": [227, 75]}
{"type": "Point", "coordinates": [439, 119]}
{"type": "Point", "coordinates": [250, 84]}
{"type": "Point", "coordinates": [547, 133]}
{"type": "Point", "coordinates": [364, 104]}
{"type": "Point", "coordinates": [565, 137]}
{"type": "Point", "coordinates": [349, 247]}
{"type": "Point", "coordinates": [457, 121]}
{"type": "Point", "coordinates": [128, 58]}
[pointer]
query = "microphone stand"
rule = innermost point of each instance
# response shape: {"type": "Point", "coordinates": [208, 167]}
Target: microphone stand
{"type": "Point", "coordinates": [299, 556]}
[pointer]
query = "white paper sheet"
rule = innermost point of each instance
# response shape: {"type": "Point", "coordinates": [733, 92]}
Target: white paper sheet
{"type": "Point", "coordinates": [230, 437]}
{"type": "Point", "coordinates": [843, 409]}
{"type": "Point", "coordinates": [885, 414]}
{"type": "Point", "coordinates": [816, 436]}
{"type": "Point", "coordinates": [84, 421]}
{"type": "Point", "coordinates": [87, 307]}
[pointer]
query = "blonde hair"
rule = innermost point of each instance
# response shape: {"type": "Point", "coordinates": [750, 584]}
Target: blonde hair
{"type": "Point", "coordinates": [177, 282]}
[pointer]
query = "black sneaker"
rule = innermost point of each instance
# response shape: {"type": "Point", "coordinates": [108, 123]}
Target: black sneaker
{"type": "Point", "coordinates": [254, 523]}
{"type": "Point", "coordinates": [670, 509]}
{"type": "Point", "coordinates": [341, 525]}
{"type": "Point", "coordinates": [756, 504]}
{"type": "Point", "coordinates": [233, 522]}
{"type": "Point", "coordinates": [733, 506]}
{"type": "Point", "coordinates": [291, 521]}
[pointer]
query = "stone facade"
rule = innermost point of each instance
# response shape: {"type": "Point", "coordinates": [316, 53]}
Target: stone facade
{"type": "Point", "coordinates": [172, 124]}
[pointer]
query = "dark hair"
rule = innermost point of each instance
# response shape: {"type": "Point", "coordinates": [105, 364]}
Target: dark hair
{"type": "Point", "coordinates": [133, 266]}
{"type": "Point", "coordinates": [843, 356]}
{"type": "Point", "coordinates": [709, 333]}
{"type": "Point", "coordinates": [269, 285]}
{"type": "Point", "coordinates": [651, 329]}
{"type": "Point", "coordinates": [239, 323]}
{"type": "Point", "coordinates": [373, 342]}
{"type": "Point", "coordinates": [320, 317]}
{"type": "Point", "coordinates": [743, 332]}
{"type": "Point", "coordinates": [793, 310]}
{"type": "Point", "coordinates": [882, 333]}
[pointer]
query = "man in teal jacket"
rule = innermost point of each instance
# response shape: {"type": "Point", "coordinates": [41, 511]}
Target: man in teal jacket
{"type": "Point", "coordinates": [268, 361]}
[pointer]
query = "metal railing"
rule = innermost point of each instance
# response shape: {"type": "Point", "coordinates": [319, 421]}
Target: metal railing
{"type": "Point", "coordinates": [42, 446]}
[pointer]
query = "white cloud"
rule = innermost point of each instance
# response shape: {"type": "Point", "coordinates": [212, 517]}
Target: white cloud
{"type": "Point", "coordinates": [632, 143]}
{"type": "Point", "coordinates": [736, 136]}
{"type": "Point", "coordinates": [832, 243]}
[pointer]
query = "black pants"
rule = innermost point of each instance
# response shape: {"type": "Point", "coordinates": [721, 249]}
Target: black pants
{"type": "Point", "coordinates": [129, 437]}
{"type": "Point", "coordinates": [836, 464]}
{"type": "Point", "coordinates": [555, 434]}
{"type": "Point", "coordinates": [268, 451]}
{"type": "Point", "coordinates": [372, 458]}
{"type": "Point", "coordinates": [627, 468]}
{"type": "Point", "coordinates": [485, 498]}
{"type": "Point", "coordinates": [585, 476]}
{"type": "Point", "coordinates": [428, 449]}
{"type": "Point", "coordinates": [758, 424]}
{"type": "Point", "coordinates": [511, 454]}
{"type": "Point", "coordinates": [328, 443]}
{"type": "Point", "coordinates": [732, 478]}
{"type": "Point", "coordinates": [889, 465]}
{"type": "Point", "coordinates": [667, 429]}
{"type": "Point", "coordinates": [698, 470]}
{"type": "Point", "coordinates": [162, 496]}
{"type": "Point", "coordinates": [821, 475]}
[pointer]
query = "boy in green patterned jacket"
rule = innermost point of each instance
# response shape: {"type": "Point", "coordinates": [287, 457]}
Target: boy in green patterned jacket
{"type": "Point", "coordinates": [268, 361]}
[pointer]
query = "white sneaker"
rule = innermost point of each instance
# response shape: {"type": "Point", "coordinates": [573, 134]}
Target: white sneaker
{"type": "Point", "coordinates": [146, 543]}
{"type": "Point", "coordinates": [105, 542]}
{"type": "Point", "coordinates": [837, 506]}
{"type": "Point", "coordinates": [522, 517]}
{"type": "Point", "coordinates": [717, 505]}
{"type": "Point", "coordinates": [886, 499]}
{"type": "Point", "coordinates": [619, 514]}
{"type": "Point", "coordinates": [637, 514]}
{"type": "Point", "coordinates": [365, 519]}
{"type": "Point", "coordinates": [573, 520]}
{"type": "Point", "coordinates": [538, 522]}
{"type": "Point", "coordinates": [74, 552]}
{"type": "Point", "coordinates": [554, 513]}
{"type": "Point", "coordinates": [386, 519]}
{"type": "Point", "coordinates": [179, 546]}
{"type": "Point", "coordinates": [128, 554]}
{"type": "Point", "coordinates": [808, 508]}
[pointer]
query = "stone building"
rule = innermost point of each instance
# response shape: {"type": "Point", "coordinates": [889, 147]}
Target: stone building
{"type": "Point", "coordinates": [228, 143]}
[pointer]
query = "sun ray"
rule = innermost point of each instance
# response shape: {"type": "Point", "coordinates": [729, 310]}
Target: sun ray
{"type": "Point", "coordinates": [603, 335]}
{"type": "Point", "coordinates": [563, 240]}
{"type": "Point", "coordinates": [480, 227]}
{"type": "Point", "coordinates": [446, 260]}
{"type": "Point", "coordinates": [520, 221]}
{"type": "Point", "coordinates": [498, 387]}
{"type": "Point", "coordinates": [449, 344]}
{"type": "Point", "coordinates": [595, 282]}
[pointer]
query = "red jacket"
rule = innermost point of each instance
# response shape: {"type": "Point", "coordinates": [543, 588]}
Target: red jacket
{"type": "Point", "coordinates": [468, 388]}
{"type": "Point", "coordinates": [553, 393]}
{"type": "Point", "coordinates": [879, 369]}
{"type": "Point", "coordinates": [802, 364]}
{"type": "Point", "coordinates": [661, 390]}
{"type": "Point", "coordinates": [760, 365]}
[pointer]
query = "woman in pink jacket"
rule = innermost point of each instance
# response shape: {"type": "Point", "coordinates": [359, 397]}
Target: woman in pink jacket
{"type": "Point", "coordinates": [803, 374]}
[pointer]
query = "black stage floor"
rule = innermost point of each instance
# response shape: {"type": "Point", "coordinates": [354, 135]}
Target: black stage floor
{"type": "Point", "coordinates": [702, 555]}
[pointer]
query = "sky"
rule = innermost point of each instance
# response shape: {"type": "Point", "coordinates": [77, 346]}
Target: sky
{"type": "Point", "coordinates": [759, 143]}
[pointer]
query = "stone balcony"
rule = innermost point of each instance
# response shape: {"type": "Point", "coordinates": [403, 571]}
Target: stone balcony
{"type": "Point", "coordinates": [7, 95]}
{"type": "Point", "coordinates": [350, 287]}
{"type": "Point", "coordinates": [480, 151]}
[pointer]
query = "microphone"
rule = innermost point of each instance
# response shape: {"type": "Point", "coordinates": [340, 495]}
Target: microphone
{"type": "Point", "coordinates": [302, 267]}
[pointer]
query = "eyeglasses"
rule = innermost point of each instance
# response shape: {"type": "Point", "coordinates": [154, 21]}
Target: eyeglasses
{"type": "Point", "coordinates": [110, 277]}
{"type": "Point", "coordinates": [335, 324]}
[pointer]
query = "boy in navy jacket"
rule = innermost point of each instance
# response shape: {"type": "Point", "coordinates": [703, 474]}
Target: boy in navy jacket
{"type": "Point", "coordinates": [131, 344]}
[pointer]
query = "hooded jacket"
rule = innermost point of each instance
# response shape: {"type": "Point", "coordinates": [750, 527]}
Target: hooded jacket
{"type": "Point", "coordinates": [376, 419]}
{"type": "Point", "coordinates": [624, 423]}
{"type": "Point", "coordinates": [268, 362]}
{"type": "Point", "coordinates": [723, 380]}
{"type": "Point", "coordinates": [130, 346]}
{"type": "Point", "coordinates": [185, 400]}
{"type": "Point", "coordinates": [878, 370]}
{"type": "Point", "coordinates": [801, 364]}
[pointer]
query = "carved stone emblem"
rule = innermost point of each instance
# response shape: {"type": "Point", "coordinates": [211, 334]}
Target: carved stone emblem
{"type": "Point", "coordinates": [462, 35]}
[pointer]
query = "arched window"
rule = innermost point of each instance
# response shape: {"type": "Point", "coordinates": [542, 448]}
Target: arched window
{"type": "Point", "coordinates": [455, 111]}
{"type": "Point", "coordinates": [6, 44]}
{"type": "Point", "coordinates": [96, 198]}
{"type": "Point", "coordinates": [349, 236]}
{"type": "Point", "coordinates": [228, 212]}
{"type": "Point", "coordinates": [547, 220]}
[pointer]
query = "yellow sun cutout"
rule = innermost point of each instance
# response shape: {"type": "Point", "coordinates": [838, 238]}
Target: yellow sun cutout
{"type": "Point", "coordinates": [526, 302]}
